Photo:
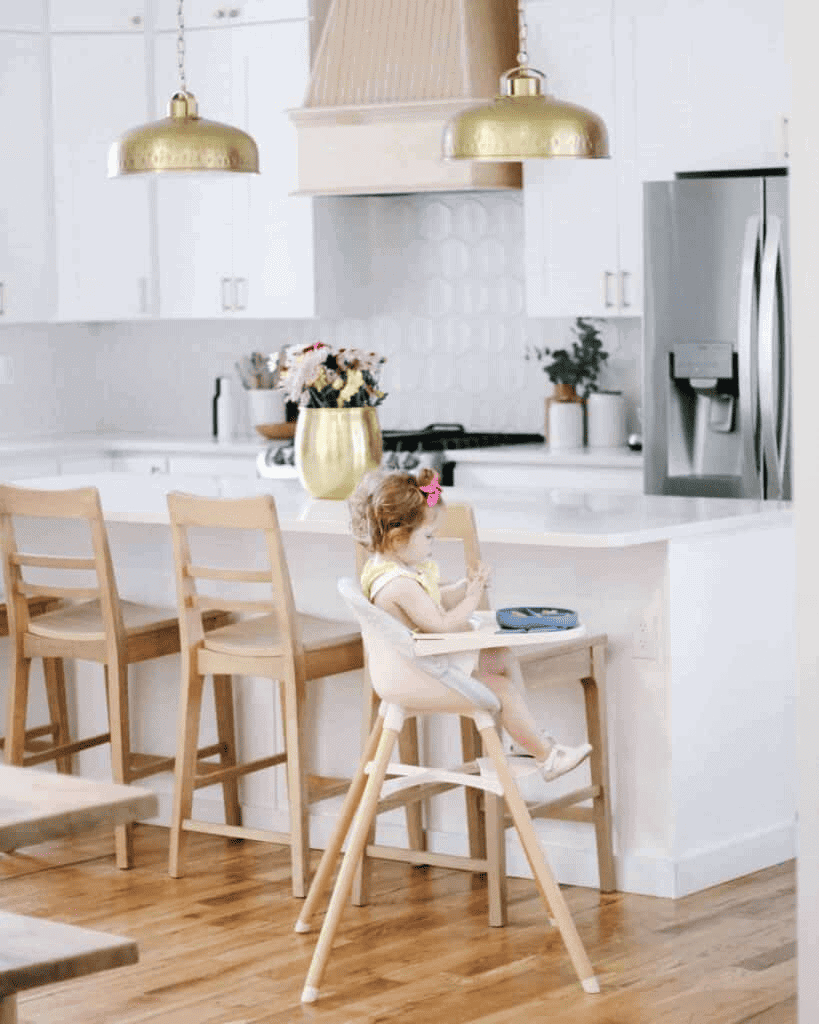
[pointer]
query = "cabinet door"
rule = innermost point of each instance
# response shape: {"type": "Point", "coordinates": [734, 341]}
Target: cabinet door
{"type": "Point", "coordinates": [24, 16]}
{"type": "Point", "coordinates": [273, 231]}
{"type": "Point", "coordinates": [213, 13]}
{"type": "Point", "coordinates": [717, 98]}
{"type": "Point", "coordinates": [97, 15]}
{"type": "Point", "coordinates": [195, 211]}
{"type": "Point", "coordinates": [103, 253]}
{"type": "Point", "coordinates": [25, 225]}
{"type": "Point", "coordinates": [570, 206]}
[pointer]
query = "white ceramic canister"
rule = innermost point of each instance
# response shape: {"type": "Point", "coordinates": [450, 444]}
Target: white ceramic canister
{"type": "Point", "coordinates": [606, 419]}
{"type": "Point", "coordinates": [267, 406]}
{"type": "Point", "coordinates": [565, 425]}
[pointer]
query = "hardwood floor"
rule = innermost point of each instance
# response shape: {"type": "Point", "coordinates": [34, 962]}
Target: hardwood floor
{"type": "Point", "coordinates": [218, 946]}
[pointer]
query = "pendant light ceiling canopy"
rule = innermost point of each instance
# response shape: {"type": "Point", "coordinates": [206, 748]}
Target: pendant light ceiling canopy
{"type": "Point", "coordinates": [183, 141]}
{"type": "Point", "coordinates": [524, 124]}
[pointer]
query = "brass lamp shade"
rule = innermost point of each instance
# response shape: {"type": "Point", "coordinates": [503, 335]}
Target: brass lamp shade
{"type": "Point", "coordinates": [183, 141]}
{"type": "Point", "coordinates": [523, 124]}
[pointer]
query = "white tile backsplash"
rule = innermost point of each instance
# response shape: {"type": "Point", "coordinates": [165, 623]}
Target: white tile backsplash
{"type": "Point", "coordinates": [447, 308]}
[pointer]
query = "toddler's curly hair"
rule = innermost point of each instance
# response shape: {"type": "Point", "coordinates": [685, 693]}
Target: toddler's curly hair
{"type": "Point", "coordinates": [385, 508]}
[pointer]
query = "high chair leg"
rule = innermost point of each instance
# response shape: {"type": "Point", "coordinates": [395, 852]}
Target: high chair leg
{"type": "Point", "coordinates": [348, 808]}
{"type": "Point", "coordinates": [363, 873]}
{"type": "Point", "coordinates": [549, 889]}
{"type": "Point", "coordinates": [344, 882]}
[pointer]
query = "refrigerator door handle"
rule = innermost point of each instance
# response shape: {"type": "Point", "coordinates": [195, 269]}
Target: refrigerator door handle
{"type": "Point", "coordinates": [746, 352]}
{"type": "Point", "coordinates": [771, 300]}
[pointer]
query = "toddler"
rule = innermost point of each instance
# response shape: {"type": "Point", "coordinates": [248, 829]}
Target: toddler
{"type": "Point", "coordinates": [395, 516]}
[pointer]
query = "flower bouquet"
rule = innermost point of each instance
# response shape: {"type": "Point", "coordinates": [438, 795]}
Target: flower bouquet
{"type": "Point", "coordinates": [320, 377]}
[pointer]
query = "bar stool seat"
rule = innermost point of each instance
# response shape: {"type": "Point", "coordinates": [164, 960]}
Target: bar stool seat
{"type": "Point", "coordinates": [262, 637]}
{"type": "Point", "coordinates": [84, 621]}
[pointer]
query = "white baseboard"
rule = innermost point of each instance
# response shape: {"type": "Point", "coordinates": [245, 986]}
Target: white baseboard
{"type": "Point", "coordinates": [648, 873]}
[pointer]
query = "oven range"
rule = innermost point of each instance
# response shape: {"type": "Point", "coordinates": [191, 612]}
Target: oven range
{"type": "Point", "coordinates": [410, 450]}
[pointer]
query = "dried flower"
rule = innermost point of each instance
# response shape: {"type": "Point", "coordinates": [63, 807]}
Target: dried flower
{"type": "Point", "coordinates": [317, 376]}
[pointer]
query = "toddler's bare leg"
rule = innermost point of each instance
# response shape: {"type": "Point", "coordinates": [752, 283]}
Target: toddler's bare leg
{"type": "Point", "coordinates": [515, 715]}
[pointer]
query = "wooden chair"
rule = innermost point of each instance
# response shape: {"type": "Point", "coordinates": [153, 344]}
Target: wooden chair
{"type": "Point", "coordinates": [278, 643]}
{"type": "Point", "coordinates": [91, 624]}
{"type": "Point", "coordinates": [54, 677]}
{"type": "Point", "coordinates": [582, 660]}
{"type": "Point", "coordinates": [407, 689]}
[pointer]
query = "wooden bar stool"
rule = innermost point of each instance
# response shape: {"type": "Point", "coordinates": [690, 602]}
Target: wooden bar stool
{"type": "Point", "coordinates": [90, 624]}
{"type": "Point", "coordinates": [54, 677]}
{"type": "Point", "coordinates": [277, 643]}
{"type": "Point", "coordinates": [457, 523]}
{"type": "Point", "coordinates": [408, 686]}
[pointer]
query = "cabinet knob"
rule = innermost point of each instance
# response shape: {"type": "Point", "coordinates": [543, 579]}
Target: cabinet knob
{"type": "Point", "coordinates": [623, 300]}
{"type": "Point", "coordinates": [607, 276]}
{"type": "Point", "coordinates": [235, 12]}
{"type": "Point", "coordinates": [136, 19]}
{"type": "Point", "coordinates": [219, 12]}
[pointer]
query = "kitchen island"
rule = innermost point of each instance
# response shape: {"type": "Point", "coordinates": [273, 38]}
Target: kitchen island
{"type": "Point", "coordinates": [697, 597]}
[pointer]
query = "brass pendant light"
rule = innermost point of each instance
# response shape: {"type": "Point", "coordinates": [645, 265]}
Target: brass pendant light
{"type": "Point", "coordinates": [522, 123]}
{"type": "Point", "coordinates": [183, 141]}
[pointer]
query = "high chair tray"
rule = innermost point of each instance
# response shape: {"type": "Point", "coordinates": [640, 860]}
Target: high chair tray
{"type": "Point", "coordinates": [485, 633]}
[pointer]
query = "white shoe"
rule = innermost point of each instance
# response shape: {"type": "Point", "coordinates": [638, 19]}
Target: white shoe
{"type": "Point", "coordinates": [562, 759]}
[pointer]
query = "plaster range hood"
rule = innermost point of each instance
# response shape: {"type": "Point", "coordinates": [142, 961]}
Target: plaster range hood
{"type": "Point", "coordinates": [387, 76]}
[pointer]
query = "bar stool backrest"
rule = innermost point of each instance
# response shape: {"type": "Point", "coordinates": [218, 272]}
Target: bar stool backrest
{"type": "Point", "coordinates": [400, 677]}
{"type": "Point", "coordinates": [259, 513]}
{"type": "Point", "coordinates": [77, 504]}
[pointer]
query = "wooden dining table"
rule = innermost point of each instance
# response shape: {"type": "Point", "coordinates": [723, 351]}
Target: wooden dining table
{"type": "Point", "coordinates": [36, 806]}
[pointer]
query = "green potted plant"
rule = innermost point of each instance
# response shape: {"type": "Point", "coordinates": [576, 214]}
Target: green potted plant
{"type": "Point", "coordinates": [568, 371]}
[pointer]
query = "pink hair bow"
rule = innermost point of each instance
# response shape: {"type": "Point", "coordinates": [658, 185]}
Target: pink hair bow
{"type": "Point", "coordinates": [432, 490]}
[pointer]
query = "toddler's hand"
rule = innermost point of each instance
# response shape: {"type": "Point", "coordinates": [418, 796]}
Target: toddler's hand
{"type": "Point", "coordinates": [481, 572]}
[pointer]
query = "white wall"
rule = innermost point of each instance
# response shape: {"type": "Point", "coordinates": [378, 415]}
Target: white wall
{"type": "Point", "coordinates": [446, 306]}
{"type": "Point", "coordinates": [800, 34]}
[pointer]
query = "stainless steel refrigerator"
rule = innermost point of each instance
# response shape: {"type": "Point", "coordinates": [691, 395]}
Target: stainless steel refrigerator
{"type": "Point", "coordinates": [716, 387]}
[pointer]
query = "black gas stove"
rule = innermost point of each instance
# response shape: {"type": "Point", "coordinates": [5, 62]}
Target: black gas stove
{"type": "Point", "coordinates": [411, 450]}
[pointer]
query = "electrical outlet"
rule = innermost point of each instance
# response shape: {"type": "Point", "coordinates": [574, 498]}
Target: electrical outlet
{"type": "Point", "coordinates": [645, 637]}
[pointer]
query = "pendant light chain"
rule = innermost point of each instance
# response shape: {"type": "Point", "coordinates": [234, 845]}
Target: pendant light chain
{"type": "Point", "coordinates": [180, 45]}
{"type": "Point", "coordinates": [523, 56]}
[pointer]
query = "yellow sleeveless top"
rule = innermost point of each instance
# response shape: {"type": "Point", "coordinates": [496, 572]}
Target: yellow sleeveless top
{"type": "Point", "coordinates": [376, 573]}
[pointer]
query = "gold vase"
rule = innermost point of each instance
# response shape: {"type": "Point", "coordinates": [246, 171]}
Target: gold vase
{"type": "Point", "coordinates": [335, 448]}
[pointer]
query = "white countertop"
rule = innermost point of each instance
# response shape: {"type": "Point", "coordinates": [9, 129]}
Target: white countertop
{"type": "Point", "coordinates": [541, 455]}
{"type": "Point", "coordinates": [539, 517]}
{"type": "Point", "coordinates": [64, 443]}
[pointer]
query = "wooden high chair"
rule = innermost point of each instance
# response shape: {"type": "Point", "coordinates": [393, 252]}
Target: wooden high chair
{"type": "Point", "coordinates": [278, 643]}
{"type": "Point", "coordinates": [91, 623]}
{"type": "Point", "coordinates": [407, 687]}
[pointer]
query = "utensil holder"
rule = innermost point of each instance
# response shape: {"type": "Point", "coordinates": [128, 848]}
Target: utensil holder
{"type": "Point", "coordinates": [606, 412]}
{"type": "Point", "coordinates": [266, 406]}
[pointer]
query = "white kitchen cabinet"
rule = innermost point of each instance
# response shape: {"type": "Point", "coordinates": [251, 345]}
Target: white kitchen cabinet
{"type": "Point", "coordinates": [86, 463]}
{"type": "Point", "coordinates": [583, 237]}
{"type": "Point", "coordinates": [97, 15]}
{"type": "Point", "coordinates": [23, 16]}
{"type": "Point", "coordinates": [243, 466]}
{"type": "Point", "coordinates": [25, 467]}
{"type": "Point", "coordinates": [718, 97]}
{"type": "Point", "coordinates": [239, 245]}
{"type": "Point", "coordinates": [102, 225]}
{"type": "Point", "coordinates": [213, 13]}
{"type": "Point", "coordinates": [139, 463]}
{"type": "Point", "coordinates": [26, 260]}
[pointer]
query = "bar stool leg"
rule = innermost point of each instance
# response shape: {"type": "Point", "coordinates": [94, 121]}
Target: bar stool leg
{"type": "Point", "coordinates": [8, 1009]}
{"type": "Point", "coordinates": [292, 692]}
{"type": "Point", "coordinates": [549, 889]}
{"type": "Point", "coordinates": [327, 864]}
{"type": "Point", "coordinates": [408, 752]}
{"type": "Point", "coordinates": [54, 676]}
{"type": "Point", "coordinates": [187, 740]}
{"type": "Point", "coordinates": [475, 816]}
{"type": "Point", "coordinates": [226, 731]}
{"type": "Point", "coordinates": [344, 882]}
{"type": "Point", "coordinates": [495, 836]}
{"type": "Point", "coordinates": [18, 705]}
{"type": "Point", "coordinates": [116, 684]}
{"type": "Point", "coordinates": [594, 692]}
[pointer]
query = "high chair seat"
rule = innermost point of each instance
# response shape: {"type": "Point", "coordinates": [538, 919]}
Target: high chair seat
{"type": "Point", "coordinates": [84, 621]}
{"type": "Point", "coordinates": [261, 637]}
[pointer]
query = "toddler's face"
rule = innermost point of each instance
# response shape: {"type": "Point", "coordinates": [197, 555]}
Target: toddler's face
{"type": "Point", "coordinates": [419, 546]}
